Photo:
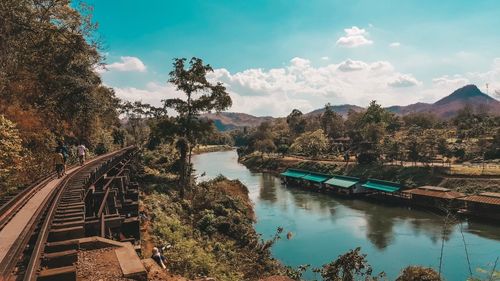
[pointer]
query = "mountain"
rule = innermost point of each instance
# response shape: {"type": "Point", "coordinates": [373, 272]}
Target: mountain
{"type": "Point", "coordinates": [340, 109]}
{"type": "Point", "coordinates": [226, 121]}
{"type": "Point", "coordinates": [448, 106]}
{"type": "Point", "coordinates": [403, 110]}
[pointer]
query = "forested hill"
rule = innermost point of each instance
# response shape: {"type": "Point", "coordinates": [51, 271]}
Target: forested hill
{"type": "Point", "coordinates": [446, 108]}
{"type": "Point", "coordinates": [225, 121]}
{"type": "Point", "coordinates": [49, 89]}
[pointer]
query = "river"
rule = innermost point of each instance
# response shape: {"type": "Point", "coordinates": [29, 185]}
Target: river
{"type": "Point", "coordinates": [324, 227]}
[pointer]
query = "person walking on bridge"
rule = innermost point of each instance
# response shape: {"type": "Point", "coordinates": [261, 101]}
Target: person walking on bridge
{"type": "Point", "coordinates": [82, 152]}
{"type": "Point", "coordinates": [58, 160]}
{"type": "Point", "coordinates": [63, 149]}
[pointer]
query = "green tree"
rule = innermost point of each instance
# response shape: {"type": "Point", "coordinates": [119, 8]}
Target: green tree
{"type": "Point", "coordinates": [423, 120]}
{"type": "Point", "coordinates": [413, 144]}
{"type": "Point", "coordinates": [349, 267]}
{"type": "Point", "coordinates": [296, 122]}
{"type": "Point", "coordinates": [331, 122]}
{"type": "Point", "coordinates": [262, 139]}
{"type": "Point", "coordinates": [310, 143]}
{"type": "Point", "coordinates": [418, 273]}
{"type": "Point", "coordinates": [119, 137]}
{"type": "Point", "coordinates": [283, 149]}
{"type": "Point", "coordinates": [368, 129]}
{"type": "Point", "coordinates": [392, 149]}
{"type": "Point", "coordinates": [201, 96]}
{"type": "Point", "coordinates": [11, 154]}
{"type": "Point", "coordinates": [265, 146]}
{"type": "Point", "coordinates": [48, 81]}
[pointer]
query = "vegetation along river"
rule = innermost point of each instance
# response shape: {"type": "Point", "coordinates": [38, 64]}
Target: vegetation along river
{"type": "Point", "coordinates": [324, 227]}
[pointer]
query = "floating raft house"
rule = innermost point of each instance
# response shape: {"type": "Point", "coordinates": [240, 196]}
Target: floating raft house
{"type": "Point", "coordinates": [434, 196]}
{"type": "Point", "coordinates": [486, 204]}
{"type": "Point", "coordinates": [343, 184]}
{"type": "Point", "coordinates": [306, 178]}
{"type": "Point", "coordinates": [382, 186]}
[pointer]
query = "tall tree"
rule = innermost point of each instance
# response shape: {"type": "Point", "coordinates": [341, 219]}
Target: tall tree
{"type": "Point", "coordinates": [331, 122]}
{"type": "Point", "coordinates": [296, 122]}
{"type": "Point", "coordinates": [368, 129]}
{"type": "Point", "coordinates": [201, 96]}
{"type": "Point", "coordinates": [310, 143]}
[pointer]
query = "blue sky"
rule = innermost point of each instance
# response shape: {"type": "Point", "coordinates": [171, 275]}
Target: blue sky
{"type": "Point", "coordinates": [277, 55]}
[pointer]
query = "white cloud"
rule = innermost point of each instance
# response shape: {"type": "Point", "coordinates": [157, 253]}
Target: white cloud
{"type": "Point", "coordinates": [395, 44]}
{"type": "Point", "coordinates": [304, 86]}
{"type": "Point", "coordinates": [455, 81]}
{"type": "Point", "coordinates": [490, 77]}
{"type": "Point", "coordinates": [126, 64]}
{"type": "Point", "coordinates": [352, 65]}
{"type": "Point", "coordinates": [354, 37]}
{"type": "Point", "coordinates": [403, 81]}
{"type": "Point", "coordinates": [325, 58]}
{"type": "Point", "coordinates": [153, 94]}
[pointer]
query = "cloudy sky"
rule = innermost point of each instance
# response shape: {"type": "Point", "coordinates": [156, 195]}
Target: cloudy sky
{"type": "Point", "coordinates": [277, 55]}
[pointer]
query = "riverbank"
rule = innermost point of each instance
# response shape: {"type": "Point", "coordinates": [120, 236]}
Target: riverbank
{"type": "Point", "coordinates": [406, 175]}
{"type": "Point", "coordinates": [211, 148]}
{"type": "Point", "coordinates": [210, 230]}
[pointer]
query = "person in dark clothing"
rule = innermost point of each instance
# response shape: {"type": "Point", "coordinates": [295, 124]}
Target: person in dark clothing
{"type": "Point", "coordinates": [159, 258]}
{"type": "Point", "coordinates": [63, 149]}
{"type": "Point", "coordinates": [58, 161]}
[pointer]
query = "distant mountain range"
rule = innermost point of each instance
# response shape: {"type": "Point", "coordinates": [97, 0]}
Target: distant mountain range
{"type": "Point", "coordinates": [446, 107]}
{"type": "Point", "coordinates": [226, 121]}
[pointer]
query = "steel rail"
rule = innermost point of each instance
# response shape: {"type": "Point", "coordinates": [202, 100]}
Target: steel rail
{"type": "Point", "coordinates": [43, 215]}
{"type": "Point", "coordinates": [38, 250]}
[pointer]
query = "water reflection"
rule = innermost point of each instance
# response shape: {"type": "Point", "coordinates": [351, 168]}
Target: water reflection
{"type": "Point", "coordinates": [267, 191]}
{"type": "Point", "coordinates": [325, 226]}
{"type": "Point", "coordinates": [379, 220]}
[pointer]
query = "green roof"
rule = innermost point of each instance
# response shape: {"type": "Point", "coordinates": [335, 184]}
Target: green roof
{"type": "Point", "coordinates": [294, 174]}
{"type": "Point", "coordinates": [316, 177]}
{"type": "Point", "coordinates": [382, 186]}
{"type": "Point", "coordinates": [343, 182]}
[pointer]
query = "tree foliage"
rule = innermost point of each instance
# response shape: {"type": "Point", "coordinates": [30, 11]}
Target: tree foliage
{"type": "Point", "coordinates": [201, 96]}
{"type": "Point", "coordinates": [296, 122]}
{"type": "Point", "coordinates": [349, 267]}
{"type": "Point", "coordinates": [311, 143]}
{"type": "Point", "coordinates": [418, 273]}
{"type": "Point", "coordinates": [49, 52]}
{"type": "Point", "coordinates": [332, 123]}
{"type": "Point", "coordinates": [11, 154]}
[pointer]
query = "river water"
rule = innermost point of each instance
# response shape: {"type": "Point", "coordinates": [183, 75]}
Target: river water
{"type": "Point", "coordinates": [324, 227]}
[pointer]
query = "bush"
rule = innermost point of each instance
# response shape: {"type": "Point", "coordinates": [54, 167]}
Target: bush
{"type": "Point", "coordinates": [418, 273]}
{"type": "Point", "coordinates": [101, 149]}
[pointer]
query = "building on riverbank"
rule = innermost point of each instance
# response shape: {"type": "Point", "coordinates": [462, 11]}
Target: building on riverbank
{"type": "Point", "coordinates": [384, 190]}
{"type": "Point", "coordinates": [315, 180]}
{"type": "Point", "coordinates": [293, 177]}
{"type": "Point", "coordinates": [484, 205]}
{"type": "Point", "coordinates": [305, 179]}
{"type": "Point", "coordinates": [434, 197]}
{"type": "Point", "coordinates": [344, 185]}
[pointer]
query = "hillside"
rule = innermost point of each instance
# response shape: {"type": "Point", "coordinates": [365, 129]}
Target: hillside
{"type": "Point", "coordinates": [226, 121]}
{"type": "Point", "coordinates": [340, 109]}
{"type": "Point", "coordinates": [446, 107]}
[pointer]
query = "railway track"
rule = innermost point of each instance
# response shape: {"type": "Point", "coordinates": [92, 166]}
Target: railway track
{"type": "Point", "coordinates": [40, 226]}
